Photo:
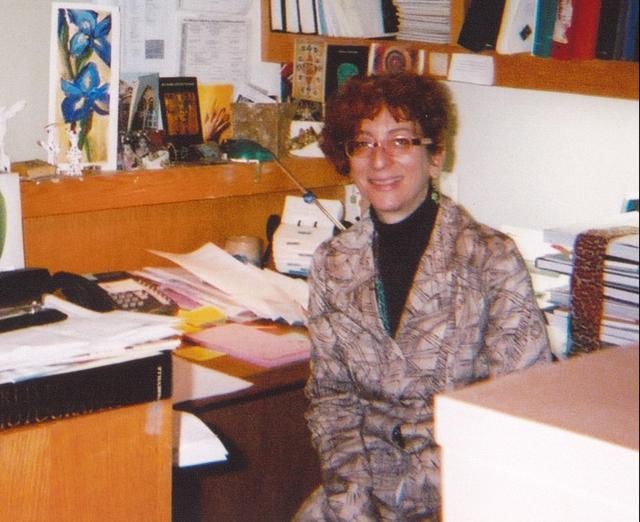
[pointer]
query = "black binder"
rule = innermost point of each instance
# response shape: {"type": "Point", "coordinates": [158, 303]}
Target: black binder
{"type": "Point", "coordinates": [85, 391]}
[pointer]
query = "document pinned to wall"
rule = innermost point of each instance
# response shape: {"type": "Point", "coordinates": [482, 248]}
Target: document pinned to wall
{"type": "Point", "coordinates": [149, 43]}
{"type": "Point", "coordinates": [237, 7]}
{"type": "Point", "coordinates": [218, 41]}
{"type": "Point", "coordinates": [214, 49]}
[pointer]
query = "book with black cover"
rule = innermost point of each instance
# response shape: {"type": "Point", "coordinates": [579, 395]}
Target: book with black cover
{"type": "Point", "coordinates": [85, 391]}
{"type": "Point", "coordinates": [344, 62]}
{"type": "Point", "coordinates": [620, 29]}
{"type": "Point", "coordinates": [481, 25]}
{"type": "Point", "coordinates": [608, 28]}
{"type": "Point", "coordinates": [180, 107]}
{"type": "Point", "coordinates": [389, 16]}
{"type": "Point", "coordinates": [630, 39]}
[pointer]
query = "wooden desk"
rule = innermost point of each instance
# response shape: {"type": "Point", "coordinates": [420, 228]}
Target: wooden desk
{"type": "Point", "coordinates": [107, 222]}
{"type": "Point", "coordinates": [113, 465]}
{"type": "Point", "coordinates": [272, 466]}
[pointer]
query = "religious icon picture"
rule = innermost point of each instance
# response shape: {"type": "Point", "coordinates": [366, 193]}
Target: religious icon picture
{"type": "Point", "coordinates": [180, 109]}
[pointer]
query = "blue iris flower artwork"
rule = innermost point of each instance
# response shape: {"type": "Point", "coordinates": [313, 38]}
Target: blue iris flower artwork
{"type": "Point", "coordinates": [91, 34]}
{"type": "Point", "coordinates": [84, 44]}
{"type": "Point", "coordinates": [84, 95]}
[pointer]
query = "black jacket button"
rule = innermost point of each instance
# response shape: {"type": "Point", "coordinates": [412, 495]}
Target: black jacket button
{"type": "Point", "coordinates": [396, 436]}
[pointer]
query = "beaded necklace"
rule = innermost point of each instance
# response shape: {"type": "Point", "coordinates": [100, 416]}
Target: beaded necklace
{"type": "Point", "coordinates": [381, 299]}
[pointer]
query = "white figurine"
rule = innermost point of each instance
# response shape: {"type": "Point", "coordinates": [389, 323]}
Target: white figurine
{"type": "Point", "coordinates": [52, 146]}
{"type": "Point", "coordinates": [5, 115]}
{"type": "Point", "coordinates": [74, 155]}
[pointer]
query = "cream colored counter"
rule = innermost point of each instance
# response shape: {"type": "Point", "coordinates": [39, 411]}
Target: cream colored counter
{"type": "Point", "coordinates": [550, 444]}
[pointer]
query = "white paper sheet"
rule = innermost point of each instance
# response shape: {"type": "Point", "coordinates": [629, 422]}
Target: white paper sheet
{"type": "Point", "coordinates": [85, 336]}
{"type": "Point", "coordinates": [472, 68]}
{"type": "Point", "coordinates": [194, 443]}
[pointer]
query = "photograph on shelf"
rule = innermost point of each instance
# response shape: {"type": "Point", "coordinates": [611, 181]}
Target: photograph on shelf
{"type": "Point", "coordinates": [215, 111]}
{"type": "Point", "coordinates": [180, 110]}
{"type": "Point", "coordinates": [83, 83]}
{"type": "Point", "coordinates": [126, 87]}
{"type": "Point", "coordinates": [145, 104]}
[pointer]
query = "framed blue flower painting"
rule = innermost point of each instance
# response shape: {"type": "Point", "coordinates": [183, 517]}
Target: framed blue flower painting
{"type": "Point", "coordinates": [83, 81]}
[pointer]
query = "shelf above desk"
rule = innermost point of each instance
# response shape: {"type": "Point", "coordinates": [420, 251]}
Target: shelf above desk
{"type": "Point", "coordinates": [109, 221]}
{"type": "Point", "coordinates": [113, 190]}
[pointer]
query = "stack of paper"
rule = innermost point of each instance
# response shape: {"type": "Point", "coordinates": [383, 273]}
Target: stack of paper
{"type": "Point", "coordinates": [85, 339]}
{"type": "Point", "coordinates": [191, 293]}
{"type": "Point", "coordinates": [619, 323]}
{"type": "Point", "coordinates": [424, 20]}
{"type": "Point", "coordinates": [263, 347]}
{"type": "Point", "coordinates": [261, 292]}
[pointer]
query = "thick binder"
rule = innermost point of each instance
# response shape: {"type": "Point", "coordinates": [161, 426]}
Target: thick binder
{"type": "Point", "coordinates": [85, 391]}
{"type": "Point", "coordinates": [481, 25]}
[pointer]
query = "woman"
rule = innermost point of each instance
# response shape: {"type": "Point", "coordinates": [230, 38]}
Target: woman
{"type": "Point", "coordinates": [414, 299]}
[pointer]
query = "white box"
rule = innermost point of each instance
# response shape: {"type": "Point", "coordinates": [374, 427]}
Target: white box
{"type": "Point", "coordinates": [556, 443]}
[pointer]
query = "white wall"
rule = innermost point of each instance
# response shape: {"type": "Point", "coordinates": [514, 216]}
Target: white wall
{"type": "Point", "coordinates": [24, 73]}
{"type": "Point", "coordinates": [525, 158]}
{"type": "Point", "coordinates": [536, 159]}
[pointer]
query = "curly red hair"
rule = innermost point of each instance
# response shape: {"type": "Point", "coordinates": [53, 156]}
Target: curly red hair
{"type": "Point", "coordinates": [408, 97]}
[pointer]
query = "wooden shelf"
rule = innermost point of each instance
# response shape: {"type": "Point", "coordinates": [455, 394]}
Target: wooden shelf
{"type": "Point", "coordinates": [615, 79]}
{"type": "Point", "coordinates": [116, 190]}
{"type": "Point", "coordinates": [110, 221]}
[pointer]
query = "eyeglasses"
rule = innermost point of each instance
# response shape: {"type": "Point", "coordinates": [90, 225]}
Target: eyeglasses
{"type": "Point", "coordinates": [396, 146]}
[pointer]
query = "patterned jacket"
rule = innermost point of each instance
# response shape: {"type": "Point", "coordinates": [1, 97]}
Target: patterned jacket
{"type": "Point", "coordinates": [470, 315]}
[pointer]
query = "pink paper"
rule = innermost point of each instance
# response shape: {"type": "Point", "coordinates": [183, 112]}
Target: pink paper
{"type": "Point", "coordinates": [250, 343]}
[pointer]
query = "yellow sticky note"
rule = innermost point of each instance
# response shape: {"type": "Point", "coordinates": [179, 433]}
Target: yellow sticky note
{"type": "Point", "coordinates": [202, 316]}
{"type": "Point", "coordinates": [197, 353]}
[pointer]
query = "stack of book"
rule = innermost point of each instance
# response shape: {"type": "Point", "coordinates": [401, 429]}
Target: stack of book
{"type": "Point", "coordinates": [424, 20]}
{"type": "Point", "coordinates": [619, 323]}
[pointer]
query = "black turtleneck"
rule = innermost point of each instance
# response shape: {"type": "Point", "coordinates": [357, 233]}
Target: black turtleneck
{"type": "Point", "coordinates": [397, 250]}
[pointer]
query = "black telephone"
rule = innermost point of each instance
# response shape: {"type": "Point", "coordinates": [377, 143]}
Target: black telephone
{"type": "Point", "coordinates": [110, 291]}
